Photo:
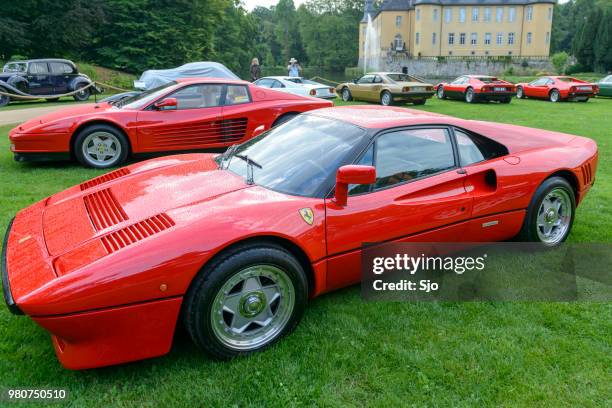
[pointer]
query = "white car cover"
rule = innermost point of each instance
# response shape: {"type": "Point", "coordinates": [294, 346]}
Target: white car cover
{"type": "Point", "coordinates": [153, 78]}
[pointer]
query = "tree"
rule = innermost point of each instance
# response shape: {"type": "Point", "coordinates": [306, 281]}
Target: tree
{"type": "Point", "coordinates": [559, 61]}
{"type": "Point", "coordinates": [582, 46]}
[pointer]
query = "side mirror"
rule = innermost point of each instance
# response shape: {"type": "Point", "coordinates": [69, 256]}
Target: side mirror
{"type": "Point", "coordinates": [352, 174]}
{"type": "Point", "coordinates": [355, 80]}
{"type": "Point", "coordinates": [259, 130]}
{"type": "Point", "coordinates": [166, 104]}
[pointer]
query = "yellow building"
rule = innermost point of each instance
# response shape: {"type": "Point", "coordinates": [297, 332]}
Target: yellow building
{"type": "Point", "coordinates": [434, 28]}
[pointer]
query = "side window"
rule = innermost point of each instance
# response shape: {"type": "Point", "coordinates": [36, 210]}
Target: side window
{"type": "Point", "coordinates": [277, 84]}
{"type": "Point", "coordinates": [378, 80]}
{"type": "Point", "coordinates": [38, 68]}
{"type": "Point", "coordinates": [236, 95]}
{"type": "Point", "coordinates": [366, 160]}
{"type": "Point", "coordinates": [410, 154]}
{"type": "Point", "coordinates": [458, 81]}
{"type": "Point", "coordinates": [366, 79]}
{"type": "Point", "coordinates": [198, 96]}
{"type": "Point", "coordinates": [59, 68]}
{"type": "Point", "coordinates": [473, 148]}
{"type": "Point", "coordinates": [266, 82]}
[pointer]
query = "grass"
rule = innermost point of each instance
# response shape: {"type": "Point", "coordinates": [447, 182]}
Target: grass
{"type": "Point", "coordinates": [349, 352]}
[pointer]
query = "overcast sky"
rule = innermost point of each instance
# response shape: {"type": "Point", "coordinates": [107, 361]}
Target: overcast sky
{"type": "Point", "coordinates": [251, 4]}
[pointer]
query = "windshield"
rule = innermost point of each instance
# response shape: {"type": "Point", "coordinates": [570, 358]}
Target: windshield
{"type": "Point", "coordinates": [295, 158]}
{"type": "Point", "coordinates": [15, 67]}
{"type": "Point", "coordinates": [295, 80]}
{"type": "Point", "coordinates": [402, 78]}
{"type": "Point", "coordinates": [143, 99]}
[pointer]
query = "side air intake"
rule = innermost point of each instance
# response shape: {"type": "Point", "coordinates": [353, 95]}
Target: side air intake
{"type": "Point", "coordinates": [136, 232]}
{"type": "Point", "coordinates": [104, 210]}
{"type": "Point", "coordinates": [104, 178]}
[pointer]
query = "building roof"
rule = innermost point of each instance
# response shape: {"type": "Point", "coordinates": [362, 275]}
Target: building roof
{"type": "Point", "coordinates": [404, 5]}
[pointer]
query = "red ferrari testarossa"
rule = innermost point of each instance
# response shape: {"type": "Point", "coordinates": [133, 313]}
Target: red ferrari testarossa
{"type": "Point", "coordinates": [189, 114]}
{"type": "Point", "coordinates": [235, 244]}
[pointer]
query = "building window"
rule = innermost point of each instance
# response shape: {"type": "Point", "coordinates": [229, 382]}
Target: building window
{"type": "Point", "coordinates": [418, 14]}
{"type": "Point", "coordinates": [510, 38]}
{"type": "Point", "coordinates": [417, 38]}
{"type": "Point", "coordinates": [487, 14]}
{"type": "Point", "coordinates": [433, 38]}
{"type": "Point", "coordinates": [451, 38]}
{"type": "Point", "coordinates": [547, 37]}
{"type": "Point", "coordinates": [462, 38]}
{"type": "Point", "coordinates": [550, 11]}
{"type": "Point", "coordinates": [448, 15]}
{"type": "Point", "coordinates": [435, 15]}
{"type": "Point", "coordinates": [475, 11]}
{"type": "Point", "coordinates": [529, 13]}
{"type": "Point", "coordinates": [529, 37]}
{"type": "Point", "coordinates": [499, 14]}
{"type": "Point", "coordinates": [398, 21]}
{"type": "Point", "coordinates": [474, 39]}
{"type": "Point", "coordinates": [487, 38]}
{"type": "Point", "coordinates": [512, 14]}
{"type": "Point", "coordinates": [500, 38]}
{"type": "Point", "coordinates": [398, 43]}
{"type": "Point", "coordinates": [462, 15]}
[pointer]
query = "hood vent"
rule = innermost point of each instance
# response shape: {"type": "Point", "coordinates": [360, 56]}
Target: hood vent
{"type": "Point", "coordinates": [136, 232]}
{"type": "Point", "coordinates": [105, 178]}
{"type": "Point", "coordinates": [104, 209]}
{"type": "Point", "coordinates": [587, 174]}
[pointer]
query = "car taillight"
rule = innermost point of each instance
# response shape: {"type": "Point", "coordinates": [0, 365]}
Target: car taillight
{"type": "Point", "coordinates": [332, 90]}
{"type": "Point", "coordinates": [406, 89]}
{"type": "Point", "coordinates": [313, 92]}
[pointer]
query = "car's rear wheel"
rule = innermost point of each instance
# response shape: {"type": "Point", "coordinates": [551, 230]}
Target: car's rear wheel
{"type": "Point", "coordinates": [506, 100]}
{"type": "Point", "coordinates": [101, 147]}
{"type": "Point", "coordinates": [554, 96]}
{"type": "Point", "coordinates": [520, 93]}
{"type": "Point", "coordinates": [419, 102]}
{"type": "Point", "coordinates": [583, 100]}
{"type": "Point", "coordinates": [386, 99]}
{"type": "Point", "coordinates": [4, 100]}
{"type": "Point", "coordinates": [245, 300]}
{"type": "Point", "coordinates": [470, 96]}
{"type": "Point", "coordinates": [440, 92]}
{"type": "Point", "coordinates": [346, 95]}
{"type": "Point", "coordinates": [550, 214]}
{"type": "Point", "coordinates": [83, 94]}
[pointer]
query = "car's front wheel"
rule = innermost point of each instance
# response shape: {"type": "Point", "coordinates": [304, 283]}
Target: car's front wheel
{"type": "Point", "coordinates": [101, 147]}
{"type": "Point", "coordinates": [346, 95]}
{"type": "Point", "coordinates": [82, 94]}
{"type": "Point", "coordinates": [550, 214]}
{"type": "Point", "coordinates": [520, 93]}
{"type": "Point", "coordinates": [4, 100]}
{"type": "Point", "coordinates": [245, 300]}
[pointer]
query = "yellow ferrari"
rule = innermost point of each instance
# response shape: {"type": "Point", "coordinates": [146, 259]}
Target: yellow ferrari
{"type": "Point", "coordinates": [387, 88]}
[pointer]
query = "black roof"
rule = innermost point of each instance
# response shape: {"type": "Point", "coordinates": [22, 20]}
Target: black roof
{"type": "Point", "coordinates": [46, 60]}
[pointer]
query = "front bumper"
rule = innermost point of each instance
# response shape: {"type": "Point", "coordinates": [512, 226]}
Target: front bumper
{"type": "Point", "coordinates": [6, 286]}
{"type": "Point", "coordinates": [41, 157]}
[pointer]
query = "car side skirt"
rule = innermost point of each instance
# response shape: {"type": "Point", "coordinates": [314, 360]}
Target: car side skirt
{"type": "Point", "coordinates": [113, 336]}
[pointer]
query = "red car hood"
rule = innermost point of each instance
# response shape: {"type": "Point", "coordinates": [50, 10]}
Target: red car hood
{"type": "Point", "coordinates": [67, 113]}
{"type": "Point", "coordinates": [131, 195]}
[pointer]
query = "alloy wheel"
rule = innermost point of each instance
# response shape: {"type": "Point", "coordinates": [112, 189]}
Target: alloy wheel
{"type": "Point", "coordinates": [101, 148]}
{"type": "Point", "coordinates": [554, 216]}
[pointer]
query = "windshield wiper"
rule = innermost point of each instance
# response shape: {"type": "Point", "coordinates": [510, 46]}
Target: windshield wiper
{"type": "Point", "coordinates": [250, 163]}
{"type": "Point", "coordinates": [228, 154]}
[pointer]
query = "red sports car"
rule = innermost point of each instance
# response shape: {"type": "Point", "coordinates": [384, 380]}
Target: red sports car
{"type": "Point", "coordinates": [235, 244]}
{"type": "Point", "coordinates": [189, 114]}
{"type": "Point", "coordinates": [474, 88]}
{"type": "Point", "coordinates": [557, 88]}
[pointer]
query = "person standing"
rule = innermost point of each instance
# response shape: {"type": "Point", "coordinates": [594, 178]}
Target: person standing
{"type": "Point", "coordinates": [294, 68]}
{"type": "Point", "coordinates": [255, 70]}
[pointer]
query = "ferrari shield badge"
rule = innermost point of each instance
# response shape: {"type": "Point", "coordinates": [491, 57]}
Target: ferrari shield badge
{"type": "Point", "coordinates": [307, 215]}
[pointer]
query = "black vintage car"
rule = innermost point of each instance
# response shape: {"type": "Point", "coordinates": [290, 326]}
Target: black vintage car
{"type": "Point", "coordinates": [44, 78]}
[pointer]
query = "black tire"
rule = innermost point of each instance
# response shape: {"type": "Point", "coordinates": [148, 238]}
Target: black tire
{"type": "Point", "coordinates": [440, 92]}
{"type": "Point", "coordinates": [346, 94]}
{"type": "Point", "coordinates": [583, 100]}
{"type": "Point", "coordinates": [554, 96]}
{"type": "Point", "coordinates": [419, 102]}
{"type": "Point", "coordinates": [52, 99]}
{"type": "Point", "coordinates": [82, 95]}
{"type": "Point", "coordinates": [506, 100]}
{"type": "Point", "coordinates": [470, 95]}
{"type": "Point", "coordinates": [529, 231]}
{"type": "Point", "coordinates": [520, 93]}
{"type": "Point", "coordinates": [386, 99]}
{"type": "Point", "coordinates": [198, 304]}
{"type": "Point", "coordinates": [284, 119]}
{"type": "Point", "coordinates": [87, 161]}
{"type": "Point", "coordinates": [4, 100]}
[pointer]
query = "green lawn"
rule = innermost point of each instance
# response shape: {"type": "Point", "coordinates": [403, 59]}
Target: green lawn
{"type": "Point", "coordinates": [353, 353]}
{"type": "Point", "coordinates": [39, 103]}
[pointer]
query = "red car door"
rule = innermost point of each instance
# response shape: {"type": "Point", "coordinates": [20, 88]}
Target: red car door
{"type": "Point", "coordinates": [456, 88]}
{"type": "Point", "coordinates": [195, 123]}
{"type": "Point", "coordinates": [538, 88]}
{"type": "Point", "coordinates": [240, 118]}
{"type": "Point", "coordinates": [419, 196]}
